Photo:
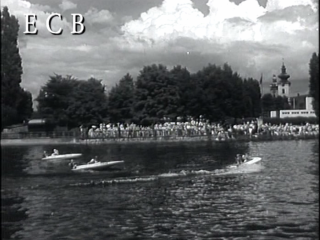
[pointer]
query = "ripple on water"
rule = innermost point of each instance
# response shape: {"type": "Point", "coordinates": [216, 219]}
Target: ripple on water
{"type": "Point", "coordinates": [180, 192]}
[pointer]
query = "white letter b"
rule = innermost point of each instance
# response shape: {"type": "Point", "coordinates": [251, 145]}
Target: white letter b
{"type": "Point", "coordinates": [75, 23]}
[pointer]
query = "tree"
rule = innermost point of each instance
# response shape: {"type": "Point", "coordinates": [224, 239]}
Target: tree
{"type": "Point", "coordinates": [251, 98]}
{"type": "Point", "coordinates": [121, 100]}
{"type": "Point", "coordinates": [87, 103]}
{"type": "Point", "coordinates": [314, 82]}
{"type": "Point", "coordinates": [182, 79]}
{"type": "Point", "coordinates": [218, 93]}
{"type": "Point", "coordinates": [54, 99]}
{"type": "Point", "coordinates": [69, 102]}
{"type": "Point", "coordinates": [207, 95]}
{"type": "Point", "coordinates": [11, 70]}
{"type": "Point", "coordinates": [268, 102]}
{"type": "Point", "coordinates": [24, 107]}
{"type": "Point", "coordinates": [271, 103]}
{"type": "Point", "coordinates": [281, 103]}
{"type": "Point", "coordinates": [157, 95]}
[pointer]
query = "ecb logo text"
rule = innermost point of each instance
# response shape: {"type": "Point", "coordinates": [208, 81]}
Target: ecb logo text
{"type": "Point", "coordinates": [77, 24]}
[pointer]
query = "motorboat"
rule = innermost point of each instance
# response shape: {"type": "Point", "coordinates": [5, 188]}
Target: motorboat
{"type": "Point", "coordinates": [97, 166]}
{"type": "Point", "coordinates": [63, 156]}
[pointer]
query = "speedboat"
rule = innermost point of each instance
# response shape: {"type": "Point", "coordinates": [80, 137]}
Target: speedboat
{"type": "Point", "coordinates": [63, 156]}
{"type": "Point", "coordinates": [97, 166]}
{"type": "Point", "coordinates": [252, 160]}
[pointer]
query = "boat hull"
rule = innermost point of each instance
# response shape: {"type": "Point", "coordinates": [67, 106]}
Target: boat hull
{"type": "Point", "coordinates": [63, 156]}
{"type": "Point", "coordinates": [99, 166]}
{"type": "Point", "coordinates": [252, 161]}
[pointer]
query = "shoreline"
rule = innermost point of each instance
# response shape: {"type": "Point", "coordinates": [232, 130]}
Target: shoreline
{"type": "Point", "coordinates": [75, 141]}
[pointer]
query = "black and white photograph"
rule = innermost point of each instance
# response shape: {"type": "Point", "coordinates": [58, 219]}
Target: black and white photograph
{"type": "Point", "coordinates": [159, 119]}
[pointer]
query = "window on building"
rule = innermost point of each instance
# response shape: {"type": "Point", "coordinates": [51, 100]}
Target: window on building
{"type": "Point", "coordinates": [283, 91]}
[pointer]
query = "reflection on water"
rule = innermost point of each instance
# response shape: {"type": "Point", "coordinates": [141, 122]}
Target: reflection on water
{"type": "Point", "coordinates": [166, 191]}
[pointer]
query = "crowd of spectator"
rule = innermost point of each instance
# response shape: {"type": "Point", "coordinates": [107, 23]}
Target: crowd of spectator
{"type": "Point", "coordinates": [192, 128]}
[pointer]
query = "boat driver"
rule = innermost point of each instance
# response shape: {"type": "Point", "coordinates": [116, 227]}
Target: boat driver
{"type": "Point", "coordinates": [93, 160]}
{"type": "Point", "coordinates": [55, 152]}
{"type": "Point", "coordinates": [238, 159]}
{"type": "Point", "coordinates": [73, 164]}
{"type": "Point", "coordinates": [245, 158]}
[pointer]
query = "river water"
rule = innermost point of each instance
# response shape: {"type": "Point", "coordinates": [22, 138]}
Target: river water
{"type": "Point", "coordinates": [163, 191]}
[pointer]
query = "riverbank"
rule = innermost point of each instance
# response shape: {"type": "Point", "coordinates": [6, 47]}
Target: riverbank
{"type": "Point", "coordinates": [59, 141]}
{"type": "Point", "coordinates": [38, 141]}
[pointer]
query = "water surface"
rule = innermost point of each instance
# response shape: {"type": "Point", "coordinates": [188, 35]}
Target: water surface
{"type": "Point", "coordinates": [164, 191]}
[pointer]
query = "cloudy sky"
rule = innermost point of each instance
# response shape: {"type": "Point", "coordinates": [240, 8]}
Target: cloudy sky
{"type": "Point", "coordinates": [252, 36]}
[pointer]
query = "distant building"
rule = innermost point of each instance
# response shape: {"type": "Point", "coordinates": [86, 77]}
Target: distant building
{"type": "Point", "coordinates": [284, 84]}
{"type": "Point", "coordinates": [40, 125]}
{"type": "Point", "coordinates": [301, 105]}
{"type": "Point", "coordinates": [281, 87]}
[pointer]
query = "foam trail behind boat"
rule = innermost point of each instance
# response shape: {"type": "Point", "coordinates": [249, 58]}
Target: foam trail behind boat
{"type": "Point", "coordinates": [183, 173]}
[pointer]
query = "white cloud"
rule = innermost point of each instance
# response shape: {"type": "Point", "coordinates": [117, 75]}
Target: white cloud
{"type": "Point", "coordinates": [287, 30]}
{"type": "Point", "coordinates": [279, 5]}
{"type": "Point", "coordinates": [67, 5]}
{"type": "Point", "coordinates": [93, 15]}
{"type": "Point", "coordinates": [175, 19]}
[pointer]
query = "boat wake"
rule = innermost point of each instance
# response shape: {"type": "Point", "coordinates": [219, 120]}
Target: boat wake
{"type": "Point", "coordinates": [183, 173]}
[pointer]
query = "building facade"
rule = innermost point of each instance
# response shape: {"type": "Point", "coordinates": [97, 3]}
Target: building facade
{"type": "Point", "coordinates": [301, 105]}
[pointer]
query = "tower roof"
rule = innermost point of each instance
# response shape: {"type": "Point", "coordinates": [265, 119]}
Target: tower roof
{"type": "Point", "coordinates": [283, 75]}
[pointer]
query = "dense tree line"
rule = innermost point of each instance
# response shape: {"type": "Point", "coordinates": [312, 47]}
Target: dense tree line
{"type": "Point", "coordinates": [16, 103]}
{"type": "Point", "coordinates": [158, 94]}
{"type": "Point", "coordinates": [314, 81]}
{"type": "Point", "coordinates": [214, 93]}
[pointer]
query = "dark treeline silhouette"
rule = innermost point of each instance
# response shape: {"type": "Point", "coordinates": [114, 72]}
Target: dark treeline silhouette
{"type": "Point", "coordinates": [157, 95]}
{"type": "Point", "coordinates": [16, 103]}
{"type": "Point", "coordinates": [274, 103]}
{"type": "Point", "coordinates": [214, 93]}
{"type": "Point", "coordinates": [66, 101]}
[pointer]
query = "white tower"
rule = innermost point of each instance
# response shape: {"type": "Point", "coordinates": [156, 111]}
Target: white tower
{"type": "Point", "coordinates": [284, 84]}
